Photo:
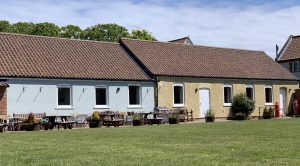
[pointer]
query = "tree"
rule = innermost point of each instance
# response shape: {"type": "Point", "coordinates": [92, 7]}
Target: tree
{"type": "Point", "coordinates": [46, 29]}
{"type": "Point", "coordinates": [4, 26]}
{"type": "Point", "coordinates": [23, 28]}
{"type": "Point", "coordinates": [142, 34]}
{"type": "Point", "coordinates": [105, 32]}
{"type": "Point", "coordinates": [71, 31]}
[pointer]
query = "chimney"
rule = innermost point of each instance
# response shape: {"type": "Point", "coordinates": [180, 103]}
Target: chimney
{"type": "Point", "coordinates": [277, 53]}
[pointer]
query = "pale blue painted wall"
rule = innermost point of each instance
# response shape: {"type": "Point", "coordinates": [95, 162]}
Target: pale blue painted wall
{"type": "Point", "coordinates": [34, 100]}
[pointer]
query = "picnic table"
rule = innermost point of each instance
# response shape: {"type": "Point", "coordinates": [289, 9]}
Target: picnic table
{"type": "Point", "coordinates": [52, 121]}
{"type": "Point", "coordinates": [111, 118]}
{"type": "Point", "coordinates": [2, 125]}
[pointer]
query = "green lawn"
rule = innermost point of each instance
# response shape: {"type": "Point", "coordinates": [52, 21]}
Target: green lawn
{"type": "Point", "coordinates": [265, 142]}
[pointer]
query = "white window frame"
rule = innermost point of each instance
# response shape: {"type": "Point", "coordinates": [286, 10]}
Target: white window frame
{"type": "Point", "coordinates": [253, 91]}
{"type": "Point", "coordinates": [140, 95]}
{"type": "Point", "coordinates": [107, 96]}
{"type": "Point", "coordinates": [183, 95]}
{"type": "Point", "coordinates": [269, 86]}
{"type": "Point", "coordinates": [292, 66]}
{"type": "Point", "coordinates": [71, 97]}
{"type": "Point", "coordinates": [229, 86]}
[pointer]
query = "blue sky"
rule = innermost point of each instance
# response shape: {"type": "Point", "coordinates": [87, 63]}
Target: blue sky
{"type": "Point", "coordinates": [246, 24]}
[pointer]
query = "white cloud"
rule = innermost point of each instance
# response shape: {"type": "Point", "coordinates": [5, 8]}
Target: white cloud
{"type": "Point", "coordinates": [257, 27]}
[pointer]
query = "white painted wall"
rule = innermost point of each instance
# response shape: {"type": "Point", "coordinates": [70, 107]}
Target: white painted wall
{"type": "Point", "coordinates": [34, 100]}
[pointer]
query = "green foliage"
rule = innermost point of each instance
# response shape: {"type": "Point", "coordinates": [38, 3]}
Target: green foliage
{"type": "Point", "coordinates": [105, 32]}
{"type": "Point", "coordinates": [242, 104]}
{"type": "Point", "coordinates": [173, 116]}
{"type": "Point", "coordinates": [142, 34]}
{"type": "Point", "coordinates": [136, 117]}
{"type": "Point", "coordinates": [95, 116]}
{"type": "Point", "coordinates": [99, 32]}
{"type": "Point", "coordinates": [4, 26]}
{"type": "Point", "coordinates": [23, 28]}
{"type": "Point", "coordinates": [46, 29]}
{"type": "Point", "coordinates": [71, 31]}
{"type": "Point", "coordinates": [209, 113]}
{"type": "Point", "coordinates": [31, 119]}
{"type": "Point", "coordinates": [268, 113]}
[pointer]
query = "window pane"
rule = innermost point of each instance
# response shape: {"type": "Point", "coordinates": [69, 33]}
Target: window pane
{"type": "Point", "coordinates": [101, 96]}
{"type": "Point", "coordinates": [178, 95]}
{"type": "Point", "coordinates": [227, 95]}
{"type": "Point", "coordinates": [249, 93]}
{"type": "Point", "coordinates": [134, 95]}
{"type": "Point", "coordinates": [64, 96]}
{"type": "Point", "coordinates": [296, 65]}
{"type": "Point", "coordinates": [268, 92]}
{"type": "Point", "coordinates": [292, 67]}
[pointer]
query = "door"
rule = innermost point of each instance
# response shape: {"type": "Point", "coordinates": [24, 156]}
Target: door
{"type": "Point", "coordinates": [282, 102]}
{"type": "Point", "coordinates": [204, 102]}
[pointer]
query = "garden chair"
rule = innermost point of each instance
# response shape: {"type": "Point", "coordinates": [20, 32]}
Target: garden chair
{"type": "Point", "coordinates": [81, 120]}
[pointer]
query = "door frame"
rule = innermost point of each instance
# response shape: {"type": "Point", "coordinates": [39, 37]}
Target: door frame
{"type": "Point", "coordinates": [283, 112]}
{"type": "Point", "coordinates": [199, 89]}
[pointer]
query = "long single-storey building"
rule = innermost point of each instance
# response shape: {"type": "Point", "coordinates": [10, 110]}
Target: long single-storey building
{"type": "Point", "coordinates": [202, 78]}
{"type": "Point", "coordinates": [65, 76]}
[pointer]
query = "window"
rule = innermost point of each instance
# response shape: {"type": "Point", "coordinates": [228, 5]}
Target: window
{"type": "Point", "coordinates": [64, 96]}
{"type": "Point", "coordinates": [227, 95]}
{"type": "Point", "coordinates": [101, 97]}
{"type": "Point", "coordinates": [134, 95]}
{"type": "Point", "coordinates": [268, 95]}
{"type": "Point", "coordinates": [178, 95]}
{"type": "Point", "coordinates": [292, 66]}
{"type": "Point", "coordinates": [250, 92]}
{"type": "Point", "coordinates": [296, 63]}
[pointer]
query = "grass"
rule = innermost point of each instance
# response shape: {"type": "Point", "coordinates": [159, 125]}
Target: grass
{"type": "Point", "coordinates": [265, 142]}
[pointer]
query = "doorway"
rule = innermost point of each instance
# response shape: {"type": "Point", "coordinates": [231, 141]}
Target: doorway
{"type": "Point", "coordinates": [204, 95]}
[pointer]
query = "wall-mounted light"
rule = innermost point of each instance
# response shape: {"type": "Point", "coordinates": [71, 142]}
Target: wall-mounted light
{"type": "Point", "coordinates": [83, 90]}
{"type": "Point", "coordinates": [24, 88]}
{"type": "Point", "coordinates": [118, 90]}
{"type": "Point", "coordinates": [290, 90]}
{"type": "Point", "coordinates": [41, 88]}
{"type": "Point", "coordinates": [196, 90]}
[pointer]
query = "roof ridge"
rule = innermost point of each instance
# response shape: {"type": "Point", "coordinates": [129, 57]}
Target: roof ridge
{"type": "Point", "coordinates": [186, 37]}
{"type": "Point", "coordinates": [58, 38]}
{"type": "Point", "coordinates": [194, 45]}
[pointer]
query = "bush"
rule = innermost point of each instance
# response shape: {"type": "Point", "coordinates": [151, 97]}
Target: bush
{"type": "Point", "coordinates": [242, 106]}
{"type": "Point", "coordinates": [209, 116]}
{"type": "Point", "coordinates": [173, 119]}
{"type": "Point", "coordinates": [268, 113]}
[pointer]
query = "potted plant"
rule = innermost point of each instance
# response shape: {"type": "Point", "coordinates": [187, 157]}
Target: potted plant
{"type": "Point", "coordinates": [209, 116]}
{"type": "Point", "coordinates": [136, 120]}
{"type": "Point", "coordinates": [268, 113]}
{"type": "Point", "coordinates": [31, 123]}
{"type": "Point", "coordinates": [94, 120]}
{"type": "Point", "coordinates": [173, 119]}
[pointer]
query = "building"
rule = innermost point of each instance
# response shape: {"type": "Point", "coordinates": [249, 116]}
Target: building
{"type": "Point", "coordinates": [202, 78]}
{"type": "Point", "coordinates": [66, 76]}
{"type": "Point", "coordinates": [289, 55]}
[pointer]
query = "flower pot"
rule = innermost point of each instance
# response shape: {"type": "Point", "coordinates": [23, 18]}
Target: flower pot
{"type": "Point", "coordinates": [136, 122]}
{"type": "Point", "coordinates": [173, 121]}
{"type": "Point", "coordinates": [209, 119]}
{"type": "Point", "coordinates": [32, 127]}
{"type": "Point", "coordinates": [94, 124]}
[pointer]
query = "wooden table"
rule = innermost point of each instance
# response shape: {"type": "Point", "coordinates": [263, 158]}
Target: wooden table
{"type": "Point", "coordinates": [157, 121]}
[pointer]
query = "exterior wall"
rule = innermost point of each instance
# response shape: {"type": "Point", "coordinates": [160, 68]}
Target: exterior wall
{"type": "Point", "coordinates": [36, 95]}
{"type": "Point", "coordinates": [287, 66]}
{"type": "Point", "coordinates": [3, 103]}
{"type": "Point", "coordinates": [192, 99]}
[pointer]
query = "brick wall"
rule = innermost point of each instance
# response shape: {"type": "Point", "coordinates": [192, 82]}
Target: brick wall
{"type": "Point", "coordinates": [3, 102]}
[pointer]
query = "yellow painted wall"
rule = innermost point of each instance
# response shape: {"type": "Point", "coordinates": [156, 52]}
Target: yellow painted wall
{"type": "Point", "coordinates": [165, 93]}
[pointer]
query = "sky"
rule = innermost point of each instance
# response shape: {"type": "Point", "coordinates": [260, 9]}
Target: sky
{"type": "Point", "coordinates": [245, 24]}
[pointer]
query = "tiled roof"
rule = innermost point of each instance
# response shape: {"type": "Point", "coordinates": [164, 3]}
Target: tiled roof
{"type": "Point", "coordinates": [3, 84]}
{"type": "Point", "coordinates": [291, 49]}
{"type": "Point", "coordinates": [170, 59]}
{"type": "Point", "coordinates": [46, 57]}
